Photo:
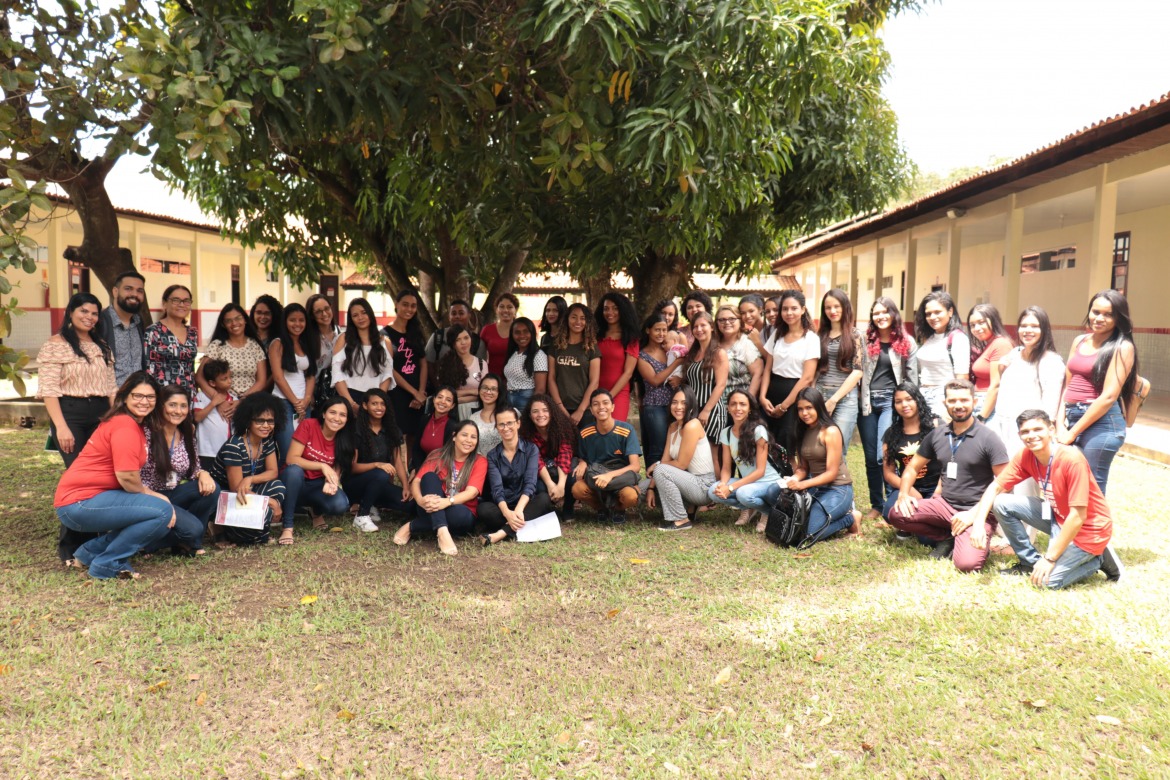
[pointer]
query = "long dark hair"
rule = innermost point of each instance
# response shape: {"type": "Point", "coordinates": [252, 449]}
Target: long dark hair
{"type": "Point", "coordinates": [926, 420]}
{"type": "Point", "coordinates": [848, 348]}
{"type": "Point", "coordinates": [530, 351]}
{"type": "Point", "coordinates": [160, 448]}
{"type": "Point", "coordinates": [560, 428]}
{"type": "Point", "coordinates": [805, 319]}
{"type": "Point", "coordinates": [312, 302]}
{"type": "Point", "coordinates": [747, 434]}
{"type": "Point", "coordinates": [345, 440]}
{"type": "Point", "coordinates": [994, 323]}
{"type": "Point", "coordinates": [132, 381]}
{"type": "Point", "coordinates": [275, 307]}
{"type": "Point", "coordinates": [355, 360]}
{"type": "Point", "coordinates": [445, 456]}
{"type": "Point", "coordinates": [588, 337]}
{"type": "Point", "coordinates": [1046, 342]}
{"type": "Point", "coordinates": [671, 324]}
{"type": "Point", "coordinates": [413, 332]}
{"type": "Point", "coordinates": [649, 323]}
{"type": "Point", "coordinates": [692, 409]}
{"type": "Point", "coordinates": [451, 370]}
{"type": "Point", "coordinates": [824, 419]}
{"type": "Point", "coordinates": [221, 332]}
{"type": "Point", "coordinates": [310, 346]}
{"type": "Point", "coordinates": [768, 329]}
{"type": "Point", "coordinates": [627, 317]}
{"type": "Point", "coordinates": [922, 328]}
{"type": "Point", "coordinates": [390, 431]}
{"type": "Point", "coordinates": [69, 333]}
{"type": "Point", "coordinates": [899, 341]}
{"type": "Point", "coordinates": [1122, 331]}
{"type": "Point", "coordinates": [562, 306]}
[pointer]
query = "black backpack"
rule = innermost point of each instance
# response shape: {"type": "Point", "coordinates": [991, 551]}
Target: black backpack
{"type": "Point", "coordinates": [788, 520]}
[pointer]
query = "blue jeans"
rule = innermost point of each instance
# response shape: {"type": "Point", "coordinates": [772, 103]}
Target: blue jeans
{"type": "Point", "coordinates": [127, 522]}
{"type": "Point", "coordinates": [873, 427]}
{"type": "Point", "coordinates": [518, 399]}
{"type": "Point", "coordinates": [1100, 441]}
{"type": "Point", "coordinates": [301, 491]}
{"type": "Point", "coordinates": [192, 512]}
{"type": "Point", "coordinates": [1014, 513]}
{"type": "Point", "coordinates": [457, 519]}
{"type": "Point", "coordinates": [831, 512]}
{"type": "Point", "coordinates": [655, 422]}
{"type": "Point", "coordinates": [754, 496]}
{"type": "Point", "coordinates": [284, 435]}
{"type": "Point", "coordinates": [375, 488]}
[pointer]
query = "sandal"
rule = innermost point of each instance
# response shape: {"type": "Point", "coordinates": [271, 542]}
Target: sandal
{"type": "Point", "coordinates": [286, 539]}
{"type": "Point", "coordinates": [402, 535]}
{"type": "Point", "coordinates": [319, 523]}
{"type": "Point", "coordinates": [745, 516]}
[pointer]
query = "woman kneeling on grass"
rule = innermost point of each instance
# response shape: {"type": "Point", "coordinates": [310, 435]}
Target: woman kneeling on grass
{"type": "Point", "coordinates": [686, 472]}
{"type": "Point", "coordinates": [447, 489]}
{"type": "Point", "coordinates": [246, 463]}
{"type": "Point", "coordinates": [744, 444]}
{"type": "Point", "coordinates": [172, 470]}
{"type": "Point", "coordinates": [318, 459]}
{"type": "Point", "coordinates": [821, 469]}
{"type": "Point", "coordinates": [102, 492]}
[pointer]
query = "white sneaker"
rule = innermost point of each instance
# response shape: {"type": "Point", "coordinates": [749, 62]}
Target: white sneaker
{"type": "Point", "coordinates": [375, 515]}
{"type": "Point", "coordinates": [364, 523]}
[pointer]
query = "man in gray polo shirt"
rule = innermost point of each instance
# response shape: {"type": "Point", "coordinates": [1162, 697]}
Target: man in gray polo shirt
{"type": "Point", "coordinates": [122, 325]}
{"type": "Point", "coordinates": [972, 456]}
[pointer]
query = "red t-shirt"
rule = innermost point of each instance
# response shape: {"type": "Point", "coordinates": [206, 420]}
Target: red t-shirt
{"type": "Point", "coordinates": [1071, 484]}
{"type": "Point", "coordinates": [317, 448]}
{"type": "Point", "coordinates": [119, 444]}
{"type": "Point", "coordinates": [434, 434]}
{"type": "Point", "coordinates": [981, 368]}
{"type": "Point", "coordinates": [613, 364]}
{"type": "Point", "coordinates": [478, 474]}
{"type": "Point", "coordinates": [497, 348]}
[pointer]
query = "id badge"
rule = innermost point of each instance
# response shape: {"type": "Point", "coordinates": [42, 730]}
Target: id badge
{"type": "Point", "coordinates": [1046, 511]}
{"type": "Point", "coordinates": [952, 470]}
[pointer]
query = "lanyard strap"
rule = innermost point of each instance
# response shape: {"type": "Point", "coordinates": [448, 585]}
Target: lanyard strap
{"type": "Point", "coordinates": [954, 446]}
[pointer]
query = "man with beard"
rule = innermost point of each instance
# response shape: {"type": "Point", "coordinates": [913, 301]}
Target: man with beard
{"type": "Point", "coordinates": [972, 456]}
{"type": "Point", "coordinates": [122, 325]}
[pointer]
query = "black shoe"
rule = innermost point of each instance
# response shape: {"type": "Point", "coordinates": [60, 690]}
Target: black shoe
{"type": "Point", "coordinates": [1111, 565]}
{"type": "Point", "coordinates": [669, 526]}
{"type": "Point", "coordinates": [618, 517]}
{"type": "Point", "coordinates": [943, 549]}
{"type": "Point", "coordinates": [1021, 569]}
{"type": "Point", "coordinates": [903, 536]}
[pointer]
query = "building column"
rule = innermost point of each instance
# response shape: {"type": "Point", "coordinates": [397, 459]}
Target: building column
{"type": "Point", "coordinates": [879, 269]}
{"type": "Point", "coordinates": [833, 281]}
{"type": "Point", "coordinates": [245, 286]}
{"type": "Point", "coordinates": [909, 292]}
{"type": "Point", "coordinates": [1104, 228]}
{"type": "Point", "coordinates": [853, 278]}
{"type": "Point", "coordinates": [197, 296]}
{"type": "Point", "coordinates": [59, 287]}
{"type": "Point", "coordinates": [285, 289]}
{"type": "Point", "coordinates": [955, 248]}
{"type": "Point", "coordinates": [1012, 248]}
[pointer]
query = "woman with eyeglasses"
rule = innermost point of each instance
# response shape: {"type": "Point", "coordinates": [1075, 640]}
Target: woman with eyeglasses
{"type": "Point", "coordinates": [246, 465]}
{"type": "Point", "coordinates": [102, 493]}
{"type": "Point", "coordinates": [485, 416]}
{"type": "Point", "coordinates": [323, 326]}
{"type": "Point", "coordinates": [514, 467]}
{"type": "Point", "coordinates": [944, 350]}
{"type": "Point", "coordinates": [172, 344]}
{"type": "Point", "coordinates": [265, 316]}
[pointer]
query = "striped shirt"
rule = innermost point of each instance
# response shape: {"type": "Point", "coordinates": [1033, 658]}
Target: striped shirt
{"type": "Point", "coordinates": [62, 372]}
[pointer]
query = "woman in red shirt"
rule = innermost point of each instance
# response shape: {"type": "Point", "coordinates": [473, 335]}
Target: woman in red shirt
{"type": "Point", "coordinates": [495, 334]}
{"type": "Point", "coordinates": [446, 490]}
{"type": "Point", "coordinates": [618, 334]}
{"type": "Point", "coordinates": [318, 459]}
{"type": "Point", "coordinates": [102, 492]}
{"type": "Point", "coordinates": [438, 428]}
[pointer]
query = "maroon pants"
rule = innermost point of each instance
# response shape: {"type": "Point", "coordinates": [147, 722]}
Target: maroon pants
{"type": "Point", "coordinates": [932, 520]}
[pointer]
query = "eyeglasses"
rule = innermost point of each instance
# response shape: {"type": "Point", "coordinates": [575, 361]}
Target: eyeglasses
{"type": "Point", "coordinates": [179, 301]}
{"type": "Point", "coordinates": [265, 421]}
{"type": "Point", "coordinates": [512, 424]}
{"type": "Point", "coordinates": [142, 396]}
{"type": "Point", "coordinates": [489, 389]}
{"type": "Point", "coordinates": [727, 320]}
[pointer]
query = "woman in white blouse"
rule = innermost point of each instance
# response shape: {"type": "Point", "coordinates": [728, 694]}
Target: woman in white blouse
{"type": "Point", "coordinates": [790, 365]}
{"type": "Point", "coordinates": [362, 360]}
{"type": "Point", "coordinates": [944, 350]}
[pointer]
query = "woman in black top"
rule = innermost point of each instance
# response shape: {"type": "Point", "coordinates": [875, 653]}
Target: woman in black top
{"type": "Point", "coordinates": [913, 419]}
{"type": "Point", "coordinates": [409, 394]}
{"type": "Point", "coordinates": [378, 460]}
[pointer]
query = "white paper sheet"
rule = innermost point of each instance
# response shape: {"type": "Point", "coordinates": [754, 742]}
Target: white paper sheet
{"type": "Point", "coordinates": [229, 511]}
{"type": "Point", "coordinates": [540, 529]}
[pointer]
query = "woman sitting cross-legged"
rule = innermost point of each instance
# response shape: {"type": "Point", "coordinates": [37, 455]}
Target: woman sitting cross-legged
{"type": "Point", "coordinates": [821, 469]}
{"type": "Point", "coordinates": [380, 457]}
{"type": "Point", "coordinates": [246, 463]}
{"type": "Point", "coordinates": [743, 445]}
{"type": "Point", "coordinates": [446, 490]}
{"type": "Point", "coordinates": [686, 471]}
{"type": "Point", "coordinates": [102, 491]}
{"type": "Point", "coordinates": [172, 470]}
{"type": "Point", "coordinates": [318, 459]}
{"type": "Point", "coordinates": [554, 435]}
{"type": "Point", "coordinates": [513, 468]}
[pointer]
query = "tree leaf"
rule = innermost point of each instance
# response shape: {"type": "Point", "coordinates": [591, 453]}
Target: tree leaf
{"type": "Point", "coordinates": [158, 686]}
{"type": "Point", "coordinates": [310, 599]}
{"type": "Point", "coordinates": [724, 676]}
{"type": "Point", "coordinates": [345, 715]}
{"type": "Point", "coordinates": [639, 561]}
{"type": "Point", "coordinates": [1108, 720]}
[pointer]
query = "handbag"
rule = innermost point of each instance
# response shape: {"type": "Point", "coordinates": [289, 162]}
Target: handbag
{"type": "Point", "coordinates": [787, 524]}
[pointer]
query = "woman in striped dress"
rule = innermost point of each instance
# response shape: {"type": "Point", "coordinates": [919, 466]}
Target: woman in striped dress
{"type": "Point", "coordinates": [706, 374]}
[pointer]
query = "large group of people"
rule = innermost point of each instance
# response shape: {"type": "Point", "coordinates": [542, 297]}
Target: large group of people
{"type": "Point", "coordinates": [967, 431]}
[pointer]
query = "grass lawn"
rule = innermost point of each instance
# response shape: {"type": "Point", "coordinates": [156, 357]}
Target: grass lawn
{"type": "Point", "coordinates": [722, 656]}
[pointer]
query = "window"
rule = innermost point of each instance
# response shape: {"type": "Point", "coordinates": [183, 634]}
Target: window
{"type": "Point", "coordinates": [150, 264]}
{"type": "Point", "coordinates": [887, 282]}
{"type": "Point", "coordinates": [1121, 262]}
{"type": "Point", "coordinates": [1049, 260]}
{"type": "Point", "coordinates": [271, 276]}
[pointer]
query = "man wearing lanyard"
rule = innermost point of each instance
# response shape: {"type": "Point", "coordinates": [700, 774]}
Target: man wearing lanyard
{"type": "Point", "coordinates": [973, 456]}
{"type": "Point", "coordinates": [1071, 509]}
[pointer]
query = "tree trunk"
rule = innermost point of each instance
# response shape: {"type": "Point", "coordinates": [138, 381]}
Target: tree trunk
{"type": "Point", "coordinates": [426, 291]}
{"type": "Point", "coordinates": [455, 283]}
{"type": "Point", "coordinates": [99, 250]}
{"type": "Point", "coordinates": [504, 282]}
{"type": "Point", "coordinates": [596, 286]}
{"type": "Point", "coordinates": [656, 277]}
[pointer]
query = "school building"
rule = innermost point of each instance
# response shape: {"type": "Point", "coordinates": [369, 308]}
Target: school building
{"type": "Point", "coordinates": [1087, 213]}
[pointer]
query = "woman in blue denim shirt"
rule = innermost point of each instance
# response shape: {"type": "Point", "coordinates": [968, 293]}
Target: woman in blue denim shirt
{"type": "Point", "coordinates": [888, 360]}
{"type": "Point", "coordinates": [1102, 371]}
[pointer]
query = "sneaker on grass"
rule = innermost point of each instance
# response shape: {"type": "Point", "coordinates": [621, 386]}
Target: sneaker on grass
{"type": "Point", "coordinates": [364, 523]}
{"type": "Point", "coordinates": [666, 525]}
{"type": "Point", "coordinates": [1019, 570]}
{"type": "Point", "coordinates": [942, 550]}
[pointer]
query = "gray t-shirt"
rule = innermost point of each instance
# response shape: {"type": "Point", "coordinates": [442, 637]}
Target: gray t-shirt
{"type": "Point", "coordinates": [974, 453]}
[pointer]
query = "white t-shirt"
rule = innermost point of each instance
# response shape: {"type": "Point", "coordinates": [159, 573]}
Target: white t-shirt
{"type": "Point", "coordinates": [214, 430]}
{"type": "Point", "coordinates": [367, 380]}
{"type": "Point", "coordinates": [295, 379]}
{"type": "Point", "coordinates": [788, 359]}
{"type": "Point", "coordinates": [934, 363]}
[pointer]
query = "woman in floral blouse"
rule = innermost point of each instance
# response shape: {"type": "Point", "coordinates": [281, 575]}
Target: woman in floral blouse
{"type": "Point", "coordinates": [171, 344]}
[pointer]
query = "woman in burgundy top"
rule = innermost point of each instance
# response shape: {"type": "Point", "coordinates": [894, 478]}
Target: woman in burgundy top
{"type": "Point", "coordinates": [438, 428]}
{"type": "Point", "coordinates": [495, 334]}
